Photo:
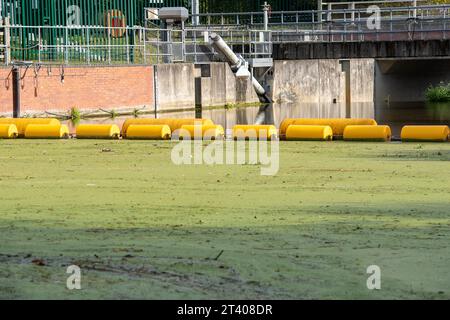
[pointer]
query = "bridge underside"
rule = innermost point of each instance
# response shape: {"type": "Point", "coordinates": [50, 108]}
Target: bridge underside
{"type": "Point", "coordinates": [350, 50]}
{"type": "Point", "coordinates": [400, 86]}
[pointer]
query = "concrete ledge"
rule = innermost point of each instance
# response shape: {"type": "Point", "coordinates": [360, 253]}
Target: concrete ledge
{"type": "Point", "coordinates": [348, 50]}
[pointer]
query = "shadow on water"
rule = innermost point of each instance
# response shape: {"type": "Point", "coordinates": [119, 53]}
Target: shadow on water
{"type": "Point", "coordinates": [395, 114]}
{"type": "Point", "coordinates": [399, 114]}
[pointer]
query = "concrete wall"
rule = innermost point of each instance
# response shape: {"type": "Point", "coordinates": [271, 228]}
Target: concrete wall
{"type": "Point", "coordinates": [361, 99]}
{"type": "Point", "coordinates": [85, 88]}
{"type": "Point", "coordinates": [331, 89]}
{"type": "Point", "coordinates": [323, 89]}
{"type": "Point", "coordinates": [175, 86]}
{"type": "Point", "coordinates": [367, 49]}
{"type": "Point", "coordinates": [169, 87]}
{"type": "Point", "coordinates": [218, 86]}
{"type": "Point", "coordinates": [314, 84]}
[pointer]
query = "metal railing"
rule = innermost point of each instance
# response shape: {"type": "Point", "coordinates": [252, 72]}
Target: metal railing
{"type": "Point", "coordinates": [395, 23]}
{"type": "Point", "coordinates": [2, 46]}
{"type": "Point", "coordinates": [94, 45]}
{"type": "Point", "coordinates": [3, 42]}
{"type": "Point", "coordinates": [411, 23]}
{"type": "Point", "coordinates": [250, 44]}
{"type": "Point", "coordinates": [295, 19]}
{"type": "Point", "coordinates": [91, 45]}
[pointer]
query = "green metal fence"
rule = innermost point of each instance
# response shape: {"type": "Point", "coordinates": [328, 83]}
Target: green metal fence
{"type": "Point", "coordinates": [25, 42]}
{"type": "Point", "coordinates": [63, 12]}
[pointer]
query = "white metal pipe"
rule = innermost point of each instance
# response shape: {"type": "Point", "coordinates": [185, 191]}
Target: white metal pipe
{"type": "Point", "coordinates": [222, 47]}
{"type": "Point", "coordinates": [258, 87]}
{"type": "Point", "coordinates": [234, 60]}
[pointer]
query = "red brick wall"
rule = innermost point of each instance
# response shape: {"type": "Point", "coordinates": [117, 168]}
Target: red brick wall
{"type": "Point", "coordinates": [84, 88]}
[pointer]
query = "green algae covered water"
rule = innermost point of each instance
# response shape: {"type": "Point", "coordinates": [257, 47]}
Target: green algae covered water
{"type": "Point", "coordinates": [139, 226]}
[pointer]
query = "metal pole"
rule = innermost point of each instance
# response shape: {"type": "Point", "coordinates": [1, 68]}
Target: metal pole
{"type": "Point", "coordinates": [40, 44]}
{"type": "Point", "coordinates": [352, 7]}
{"type": "Point", "coordinates": [195, 12]}
{"type": "Point", "coordinates": [319, 11]}
{"type": "Point", "coordinates": [66, 53]}
{"type": "Point", "coordinates": [109, 45]}
{"type": "Point", "coordinates": [415, 8]}
{"type": "Point", "coordinates": [144, 31]}
{"type": "Point", "coordinates": [7, 40]}
{"type": "Point", "coordinates": [266, 8]}
{"type": "Point", "coordinates": [16, 91]}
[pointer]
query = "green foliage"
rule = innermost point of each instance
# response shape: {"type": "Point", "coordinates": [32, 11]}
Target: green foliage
{"type": "Point", "coordinates": [256, 5]}
{"type": "Point", "coordinates": [440, 93]}
{"type": "Point", "coordinates": [439, 1]}
{"type": "Point", "coordinates": [113, 114]}
{"type": "Point", "coordinates": [75, 114]}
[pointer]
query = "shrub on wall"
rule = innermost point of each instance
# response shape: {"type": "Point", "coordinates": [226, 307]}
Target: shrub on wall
{"type": "Point", "coordinates": [439, 93]}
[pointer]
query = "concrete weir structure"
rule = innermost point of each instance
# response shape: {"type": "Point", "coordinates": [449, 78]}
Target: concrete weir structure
{"type": "Point", "coordinates": [322, 88]}
{"type": "Point", "coordinates": [216, 85]}
{"type": "Point", "coordinates": [184, 86]}
{"type": "Point", "coordinates": [326, 88]}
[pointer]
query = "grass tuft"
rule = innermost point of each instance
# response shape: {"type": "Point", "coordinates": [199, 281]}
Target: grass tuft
{"type": "Point", "coordinates": [75, 114]}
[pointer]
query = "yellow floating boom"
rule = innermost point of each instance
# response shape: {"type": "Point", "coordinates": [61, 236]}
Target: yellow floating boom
{"type": "Point", "coordinates": [149, 132]}
{"type": "Point", "coordinates": [312, 133]}
{"type": "Point", "coordinates": [46, 131]}
{"type": "Point", "coordinates": [367, 133]}
{"type": "Point", "coordinates": [174, 124]}
{"type": "Point", "coordinates": [98, 131]}
{"type": "Point", "coordinates": [254, 132]}
{"type": "Point", "coordinates": [22, 123]}
{"type": "Point", "coordinates": [337, 125]}
{"type": "Point", "coordinates": [425, 133]}
{"type": "Point", "coordinates": [207, 132]}
{"type": "Point", "coordinates": [8, 131]}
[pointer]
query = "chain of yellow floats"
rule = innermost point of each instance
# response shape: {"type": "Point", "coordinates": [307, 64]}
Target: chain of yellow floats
{"type": "Point", "coordinates": [186, 129]}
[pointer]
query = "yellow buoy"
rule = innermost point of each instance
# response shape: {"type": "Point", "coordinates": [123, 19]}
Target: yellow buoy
{"type": "Point", "coordinates": [149, 132]}
{"type": "Point", "coordinates": [178, 123]}
{"type": "Point", "coordinates": [314, 133]}
{"type": "Point", "coordinates": [367, 133]}
{"type": "Point", "coordinates": [207, 132]}
{"type": "Point", "coordinates": [284, 126]}
{"type": "Point", "coordinates": [425, 133]}
{"type": "Point", "coordinates": [22, 123]}
{"type": "Point", "coordinates": [338, 125]}
{"type": "Point", "coordinates": [46, 131]}
{"type": "Point", "coordinates": [8, 131]}
{"type": "Point", "coordinates": [98, 131]}
{"type": "Point", "coordinates": [174, 124]}
{"type": "Point", "coordinates": [254, 132]}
